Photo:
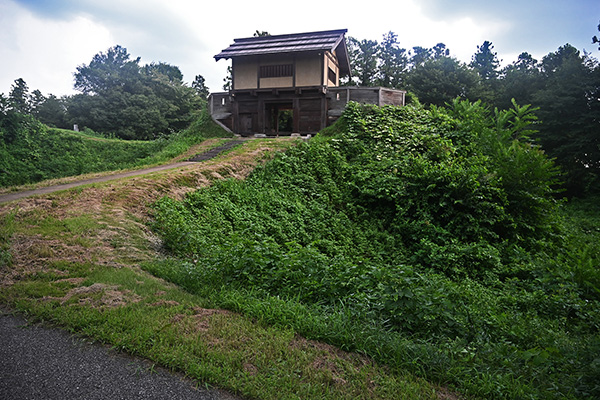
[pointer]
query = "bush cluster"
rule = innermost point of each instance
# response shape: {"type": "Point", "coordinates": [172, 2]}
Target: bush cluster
{"type": "Point", "coordinates": [438, 227]}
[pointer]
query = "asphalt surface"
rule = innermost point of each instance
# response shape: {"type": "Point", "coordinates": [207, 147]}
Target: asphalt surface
{"type": "Point", "coordinates": [44, 363]}
{"type": "Point", "coordinates": [5, 198]}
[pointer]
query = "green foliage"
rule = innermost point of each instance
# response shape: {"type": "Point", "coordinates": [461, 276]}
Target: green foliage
{"type": "Point", "coordinates": [31, 152]}
{"type": "Point", "coordinates": [429, 239]}
{"type": "Point", "coordinates": [132, 102]}
{"type": "Point", "coordinates": [564, 85]}
{"type": "Point", "coordinates": [199, 85]}
{"type": "Point", "coordinates": [378, 64]}
{"type": "Point", "coordinates": [393, 62]}
{"type": "Point", "coordinates": [440, 80]}
{"type": "Point", "coordinates": [485, 61]}
{"type": "Point", "coordinates": [364, 60]}
{"type": "Point", "coordinates": [570, 110]}
{"type": "Point", "coordinates": [19, 97]}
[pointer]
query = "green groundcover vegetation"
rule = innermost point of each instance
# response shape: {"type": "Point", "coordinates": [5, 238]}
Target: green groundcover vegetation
{"type": "Point", "coordinates": [429, 239]}
{"type": "Point", "coordinates": [31, 152]}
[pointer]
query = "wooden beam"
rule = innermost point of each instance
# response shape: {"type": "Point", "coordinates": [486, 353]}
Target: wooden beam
{"type": "Point", "coordinates": [294, 72]}
{"type": "Point", "coordinates": [322, 63]}
{"type": "Point", "coordinates": [261, 116]}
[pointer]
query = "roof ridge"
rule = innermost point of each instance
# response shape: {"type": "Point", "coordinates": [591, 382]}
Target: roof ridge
{"type": "Point", "coordinates": [291, 35]}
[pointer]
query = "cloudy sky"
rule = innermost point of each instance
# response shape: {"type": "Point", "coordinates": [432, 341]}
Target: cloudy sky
{"type": "Point", "coordinates": [43, 41]}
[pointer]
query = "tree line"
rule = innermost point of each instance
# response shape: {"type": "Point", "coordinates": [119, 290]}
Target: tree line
{"type": "Point", "coordinates": [563, 88]}
{"type": "Point", "coordinates": [118, 97]}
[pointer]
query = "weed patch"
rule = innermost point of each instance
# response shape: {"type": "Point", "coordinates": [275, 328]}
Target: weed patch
{"type": "Point", "coordinates": [7, 229]}
{"type": "Point", "coordinates": [429, 240]}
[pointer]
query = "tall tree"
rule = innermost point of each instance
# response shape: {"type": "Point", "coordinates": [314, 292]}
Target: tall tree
{"type": "Point", "coordinates": [440, 50]}
{"type": "Point", "coordinates": [420, 55]}
{"type": "Point", "coordinates": [4, 104]}
{"type": "Point", "coordinates": [53, 112]}
{"type": "Point", "coordinates": [393, 62]}
{"type": "Point", "coordinates": [440, 80]}
{"type": "Point", "coordinates": [19, 96]}
{"type": "Point", "coordinates": [519, 81]}
{"type": "Point", "coordinates": [36, 99]}
{"type": "Point", "coordinates": [228, 80]}
{"type": "Point", "coordinates": [133, 102]}
{"type": "Point", "coordinates": [110, 70]}
{"type": "Point", "coordinates": [570, 113]}
{"type": "Point", "coordinates": [199, 85]}
{"type": "Point", "coordinates": [485, 61]}
{"type": "Point", "coordinates": [162, 69]}
{"type": "Point", "coordinates": [363, 59]}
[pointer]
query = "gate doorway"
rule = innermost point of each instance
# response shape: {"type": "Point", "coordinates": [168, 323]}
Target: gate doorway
{"type": "Point", "coordinates": [279, 118]}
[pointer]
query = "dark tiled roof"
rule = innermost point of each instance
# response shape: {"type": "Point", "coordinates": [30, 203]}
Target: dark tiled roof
{"type": "Point", "coordinates": [292, 43]}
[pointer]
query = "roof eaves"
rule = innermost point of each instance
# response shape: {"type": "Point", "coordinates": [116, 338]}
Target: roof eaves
{"type": "Point", "coordinates": [329, 40]}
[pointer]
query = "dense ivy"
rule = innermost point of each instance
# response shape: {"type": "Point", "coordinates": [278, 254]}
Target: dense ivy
{"type": "Point", "coordinates": [438, 225]}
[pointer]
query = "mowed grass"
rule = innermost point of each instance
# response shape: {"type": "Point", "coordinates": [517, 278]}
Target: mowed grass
{"type": "Point", "coordinates": [141, 315]}
{"type": "Point", "coordinates": [51, 153]}
{"type": "Point", "coordinates": [73, 259]}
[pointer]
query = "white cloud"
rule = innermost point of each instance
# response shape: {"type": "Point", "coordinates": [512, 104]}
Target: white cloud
{"type": "Point", "coordinates": [44, 43]}
{"type": "Point", "coordinates": [45, 53]}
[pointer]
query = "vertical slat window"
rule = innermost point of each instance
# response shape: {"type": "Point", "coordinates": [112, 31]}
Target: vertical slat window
{"type": "Point", "coordinates": [276, 71]}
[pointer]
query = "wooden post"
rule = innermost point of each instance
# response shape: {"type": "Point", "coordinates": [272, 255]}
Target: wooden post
{"type": "Point", "coordinates": [296, 117]}
{"type": "Point", "coordinates": [261, 116]}
{"type": "Point", "coordinates": [235, 116]}
{"type": "Point", "coordinates": [323, 113]}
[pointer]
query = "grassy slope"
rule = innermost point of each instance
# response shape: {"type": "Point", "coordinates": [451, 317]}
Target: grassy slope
{"type": "Point", "coordinates": [51, 153]}
{"type": "Point", "coordinates": [520, 326]}
{"type": "Point", "coordinates": [74, 260]}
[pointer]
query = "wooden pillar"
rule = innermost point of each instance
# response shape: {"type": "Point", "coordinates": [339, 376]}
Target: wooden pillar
{"type": "Point", "coordinates": [323, 112]}
{"type": "Point", "coordinates": [296, 118]}
{"type": "Point", "coordinates": [261, 116]}
{"type": "Point", "coordinates": [235, 116]}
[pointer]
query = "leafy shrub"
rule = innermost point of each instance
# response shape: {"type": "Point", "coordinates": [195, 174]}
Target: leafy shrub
{"type": "Point", "coordinates": [409, 234]}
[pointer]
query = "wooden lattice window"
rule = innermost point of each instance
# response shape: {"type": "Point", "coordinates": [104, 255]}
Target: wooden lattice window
{"type": "Point", "coordinates": [276, 71]}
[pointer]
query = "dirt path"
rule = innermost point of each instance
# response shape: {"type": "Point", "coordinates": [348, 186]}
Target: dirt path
{"type": "Point", "coordinates": [5, 198]}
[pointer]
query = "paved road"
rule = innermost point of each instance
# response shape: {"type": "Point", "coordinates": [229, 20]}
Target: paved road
{"type": "Point", "coordinates": [43, 363]}
{"type": "Point", "coordinates": [50, 189]}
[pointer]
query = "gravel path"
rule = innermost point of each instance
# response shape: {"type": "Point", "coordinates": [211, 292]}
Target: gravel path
{"type": "Point", "coordinates": [5, 198]}
{"type": "Point", "coordinates": [39, 362]}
